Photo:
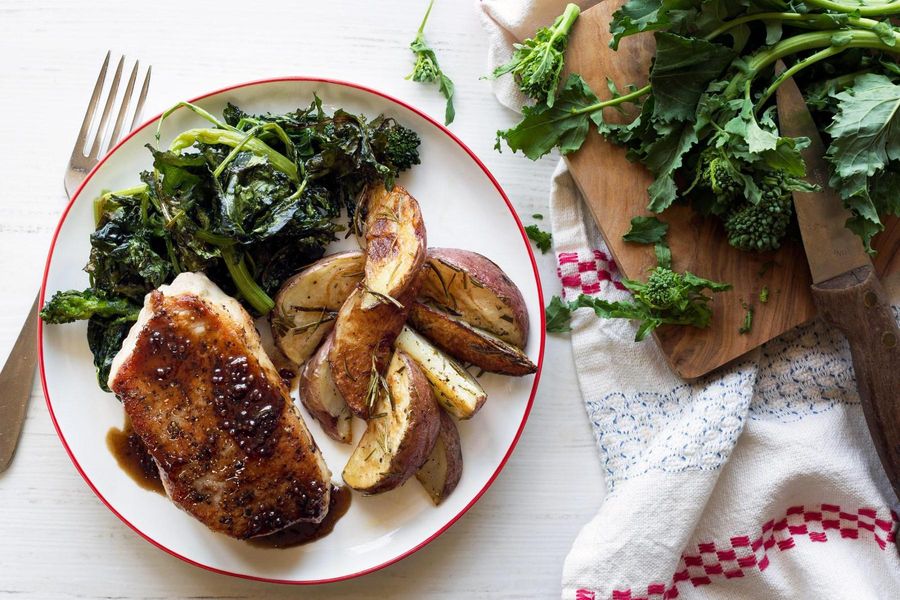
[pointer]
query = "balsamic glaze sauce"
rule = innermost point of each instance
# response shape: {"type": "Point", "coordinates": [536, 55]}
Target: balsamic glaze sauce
{"type": "Point", "coordinates": [304, 533]}
{"type": "Point", "coordinates": [131, 454]}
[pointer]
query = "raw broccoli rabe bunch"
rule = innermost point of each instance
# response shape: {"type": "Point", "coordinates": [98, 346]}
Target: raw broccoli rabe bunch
{"type": "Point", "coordinates": [537, 62]}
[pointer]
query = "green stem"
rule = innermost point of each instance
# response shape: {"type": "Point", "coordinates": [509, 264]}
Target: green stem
{"type": "Point", "coordinates": [564, 22]}
{"type": "Point", "coordinates": [233, 138]}
{"type": "Point", "coordinates": [821, 21]}
{"type": "Point", "coordinates": [794, 69]}
{"type": "Point", "coordinates": [246, 285]}
{"type": "Point", "coordinates": [196, 109]}
{"type": "Point", "coordinates": [234, 152]}
{"type": "Point", "coordinates": [864, 9]}
{"type": "Point", "coordinates": [425, 18]}
{"type": "Point", "coordinates": [800, 43]}
{"type": "Point", "coordinates": [613, 102]}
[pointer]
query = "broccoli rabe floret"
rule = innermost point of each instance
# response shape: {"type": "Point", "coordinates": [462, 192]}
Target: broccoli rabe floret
{"type": "Point", "coordinates": [537, 62]}
{"type": "Point", "coordinates": [718, 174]}
{"type": "Point", "coordinates": [761, 227]}
{"type": "Point", "coordinates": [402, 150]}
{"type": "Point", "coordinates": [72, 305]}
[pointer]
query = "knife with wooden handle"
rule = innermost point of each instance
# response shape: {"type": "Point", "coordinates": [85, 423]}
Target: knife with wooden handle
{"type": "Point", "coordinates": [845, 288]}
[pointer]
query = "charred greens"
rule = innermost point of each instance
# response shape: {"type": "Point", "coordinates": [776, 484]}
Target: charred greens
{"type": "Point", "coordinates": [249, 201]}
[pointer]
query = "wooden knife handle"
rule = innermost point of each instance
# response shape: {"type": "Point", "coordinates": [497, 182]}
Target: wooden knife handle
{"type": "Point", "coordinates": [857, 305]}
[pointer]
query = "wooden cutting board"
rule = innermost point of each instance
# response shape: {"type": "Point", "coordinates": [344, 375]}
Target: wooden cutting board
{"type": "Point", "coordinates": [616, 190]}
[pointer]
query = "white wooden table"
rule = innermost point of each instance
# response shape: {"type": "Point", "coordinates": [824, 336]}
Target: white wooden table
{"type": "Point", "coordinates": [56, 539]}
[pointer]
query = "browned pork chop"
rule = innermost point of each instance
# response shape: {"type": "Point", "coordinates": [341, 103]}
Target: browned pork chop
{"type": "Point", "coordinates": [214, 414]}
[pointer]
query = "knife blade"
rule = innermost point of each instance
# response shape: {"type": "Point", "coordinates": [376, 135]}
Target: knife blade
{"type": "Point", "coordinates": [15, 387]}
{"type": "Point", "coordinates": [845, 288]}
{"type": "Point", "coordinates": [821, 214]}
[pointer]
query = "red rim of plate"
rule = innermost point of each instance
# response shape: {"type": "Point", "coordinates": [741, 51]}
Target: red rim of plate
{"type": "Point", "coordinates": [477, 496]}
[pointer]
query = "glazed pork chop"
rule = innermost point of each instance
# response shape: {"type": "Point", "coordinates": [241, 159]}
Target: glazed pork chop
{"type": "Point", "coordinates": [214, 414]}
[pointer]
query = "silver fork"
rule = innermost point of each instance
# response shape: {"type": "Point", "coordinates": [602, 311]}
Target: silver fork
{"type": "Point", "coordinates": [18, 372]}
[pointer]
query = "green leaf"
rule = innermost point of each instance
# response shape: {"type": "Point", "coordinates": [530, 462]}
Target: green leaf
{"type": "Point", "coordinates": [663, 255]}
{"type": "Point", "coordinates": [544, 127]}
{"type": "Point", "coordinates": [682, 70]}
{"type": "Point", "coordinates": [646, 230]}
{"type": "Point", "coordinates": [786, 156]}
{"type": "Point", "coordinates": [558, 316]}
{"type": "Point", "coordinates": [541, 239]}
{"type": "Point", "coordinates": [745, 126]}
{"type": "Point", "coordinates": [865, 147]}
{"type": "Point", "coordinates": [664, 157]}
{"type": "Point", "coordinates": [866, 129]}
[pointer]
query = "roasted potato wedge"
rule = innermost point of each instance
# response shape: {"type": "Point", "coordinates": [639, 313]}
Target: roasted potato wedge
{"type": "Point", "coordinates": [455, 389]}
{"type": "Point", "coordinates": [308, 303]}
{"type": "Point", "coordinates": [362, 348]}
{"type": "Point", "coordinates": [402, 430]}
{"type": "Point", "coordinates": [475, 289]}
{"type": "Point", "coordinates": [442, 470]}
{"type": "Point", "coordinates": [395, 243]}
{"type": "Point", "coordinates": [467, 343]}
{"type": "Point", "coordinates": [321, 397]}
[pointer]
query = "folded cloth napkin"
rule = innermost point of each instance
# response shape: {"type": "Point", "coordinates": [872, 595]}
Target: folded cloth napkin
{"type": "Point", "coordinates": [758, 481]}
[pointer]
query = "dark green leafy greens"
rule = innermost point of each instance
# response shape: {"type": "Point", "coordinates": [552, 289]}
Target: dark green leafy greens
{"type": "Point", "coordinates": [706, 126]}
{"type": "Point", "coordinates": [537, 63]}
{"type": "Point", "coordinates": [249, 201]}
{"type": "Point", "coordinates": [542, 239]}
{"type": "Point", "coordinates": [427, 70]}
{"type": "Point", "coordinates": [666, 298]}
{"type": "Point", "coordinates": [646, 230]}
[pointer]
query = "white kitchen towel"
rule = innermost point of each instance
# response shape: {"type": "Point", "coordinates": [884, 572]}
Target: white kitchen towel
{"type": "Point", "coordinates": [757, 482]}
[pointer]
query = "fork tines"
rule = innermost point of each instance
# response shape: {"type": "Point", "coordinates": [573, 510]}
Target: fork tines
{"type": "Point", "coordinates": [84, 157]}
{"type": "Point", "coordinates": [98, 148]}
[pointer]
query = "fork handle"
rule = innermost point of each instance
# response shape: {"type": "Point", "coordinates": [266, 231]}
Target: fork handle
{"type": "Point", "coordinates": [856, 304]}
{"type": "Point", "coordinates": [15, 386]}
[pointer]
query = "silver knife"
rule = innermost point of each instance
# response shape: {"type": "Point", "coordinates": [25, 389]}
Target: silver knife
{"type": "Point", "coordinates": [18, 373]}
{"type": "Point", "coordinates": [845, 288]}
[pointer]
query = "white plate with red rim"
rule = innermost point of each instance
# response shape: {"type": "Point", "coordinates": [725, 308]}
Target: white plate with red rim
{"type": "Point", "coordinates": [463, 206]}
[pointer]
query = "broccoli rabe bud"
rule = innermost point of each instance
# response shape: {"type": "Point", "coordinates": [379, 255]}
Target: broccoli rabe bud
{"type": "Point", "coordinates": [402, 151]}
{"type": "Point", "coordinates": [537, 62]}
{"type": "Point", "coordinates": [762, 227]}
{"type": "Point", "coordinates": [72, 305]}
{"type": "Point", "coordinates": [718, 174]}
{"type": "Point", "coordinates": [425, 69]}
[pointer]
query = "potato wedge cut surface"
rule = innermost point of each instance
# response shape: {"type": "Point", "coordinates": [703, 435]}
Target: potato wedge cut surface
{"type": "Point", "coordinates": [395, 243]}
{"type": "Point", "coordinates": [474, 288]}
{"type": "Point", "coordinates": [469, 344]}
{"type": "Point", "coordinates": [307, 304]}
{"type": "Point", "coordinates": [362, 348]}
{"type": "Point", "coordinates": [401, 432]}
{"type": "Point", "coordinates": [443, 469]}
{"type": "Point", "coordinates": [321, 397]}
{"type": "Point", "coordinates": [455, 389]}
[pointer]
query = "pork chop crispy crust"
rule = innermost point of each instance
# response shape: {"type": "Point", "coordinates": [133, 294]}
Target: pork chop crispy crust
{"type": "Point", "coordinates": [219, 422]}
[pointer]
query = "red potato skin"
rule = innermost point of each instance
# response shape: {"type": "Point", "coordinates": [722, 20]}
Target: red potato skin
{"type": "Point", "coordinates": [448, 444]}
{"type": "Point", "coordinates": [359, 335]}
{"type": "Point", "coordinates": [491, 277]}
{"type": "Point", "coordinates": [420, 436]}
{"type": "Point", "coordinates": [465, 343]}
